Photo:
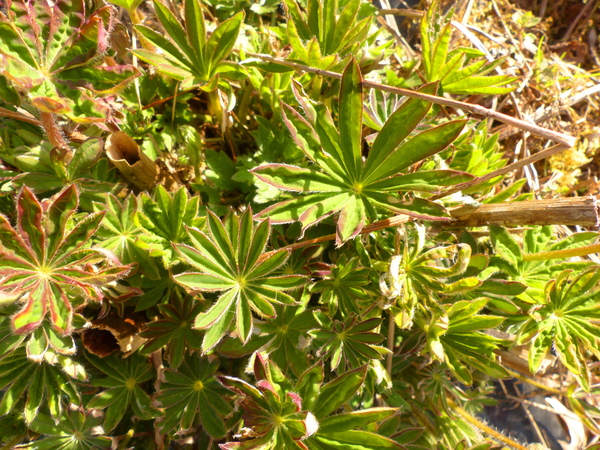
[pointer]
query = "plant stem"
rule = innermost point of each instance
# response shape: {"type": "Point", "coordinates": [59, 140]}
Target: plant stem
{"type": "Point", "coordinates": [379, 225]}
{"type": "Point", "coordinates": [561, 211]}
{"type": "Point", "coordinates": [19, 116]}
{"type": "Point", "coordinates": [483, 427]}
{"type": "Point", "coordinates": [390, 344]}
{"type": "Point", "coordinates": [509, 168]}
{"type": "Point", "coordinates": [562, 254]}
{"type": "Point", "coordinates": [532, 382]}
{"type": "Point", "coordinates": [560, 138]}
{"type": "Point", "coordinates": [52, 130]}
{"type": "Point", "coordinates": [135, 20]}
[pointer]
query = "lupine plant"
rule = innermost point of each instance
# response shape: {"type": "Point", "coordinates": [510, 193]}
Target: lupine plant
{"type": "Point", "coordinates": [292, 280]}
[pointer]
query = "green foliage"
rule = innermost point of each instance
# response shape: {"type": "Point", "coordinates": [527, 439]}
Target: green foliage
{"type": "Point", "coordinates": [50, 52]}
{"type": "Point", "coordinates": [164, 219]}
{"type": "Point", "coordinates": [229, 261]}
{"type": "Point", "coordinates": [123, 389]}
{"type": "Point", "coordinates": [193, 391]}
{"type": "Point", "coordinates": [280, 415]}
{"type": "Point", "coordinates": [345, 184]}
{"type": "Point", "coordinates": [46, 264]}
{"type": "Point", "coordinates": [567, 320]}
{"type": "Point", "coordinates": [449, 66]}
{"type": "Point", "coordinates": [346, 314]}
{"type": "Point", "coordinates": [351, 342]}
{"type": "Point", "coordinates": [42, 383]}
{"type": "Point", "coordinates": [75, 430]}
{"type": "Point", "coordinates": [188, 55]}
{"type": "Point", "coordinates": [44, 170]}
{"type": "Point", "coordinates": [174, 330]}
{"type": "Point", "coordinates": [326, 31]}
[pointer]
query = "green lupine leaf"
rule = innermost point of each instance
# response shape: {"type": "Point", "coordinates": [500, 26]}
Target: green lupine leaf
{"type": "Point", "coordinates": [285, 332]}
{"type": "Point", "coordinates": [205, 255]}
{"type": "Point", "coordinates": [291, 178]}
{"type": "Point", "coordinates": [217, 311]}
{"type": "Point", "coordinates": [257, 245]}
{"type": "Point", "coordinates": [415, 207]}
{"type": "Point", "coordinates": [291, 210]}
{"type": "Point", "coordinates": [173, 55]}
{"type": "Point", "coordinates": [424, 181]}
{"type": "Point", "coordinates": [398, 126]}
{"type": "Point", "coordinates": [222, 39]}
{"type": "Point", "coordinates": [489, 85]}
{"type": "Point", "coordinates": [351, 221]}
{"type": "Point", "coordinates": [17, 375]}
{"type": "Point", "coordinates": [196, 29]}
{"type": "Point", "coordinates": [59, 434]}
{"type": "Point", "coordinates": [334, 394]}
{"type": "Point", "coordinates": [343, 27]}
{"type": "Point", "coordinates": [222, 240]}
{"type": "Point", "coordinates": [305, 136]}
{"type": "Point", "coordinates": [123, 388]}
{"type": "Point", "coordinates": [355, 440]}
{"type": "Point", "coordinates": [421, 146]}
{"type": "Point", "coordinates": [354, 419]}
{"type": "Point", "coordinates": [163, 65]}
{"type": "Point", "coordinates": [351, 107]}
{"type": "Point", "coordinates": [119, 234]}
{"type": "Point", "coordinates": [164, 219]}
{"type": "Point", "coordinates": [324, 208]}
{"type": "Point", "coordinates": [174, 29]}
{"type": "Point", "coordinates": [174, 330]}
{"type": "Point", "coordinates": [204, 282]}
{"type": "Point", "coordinates": [505, 245]}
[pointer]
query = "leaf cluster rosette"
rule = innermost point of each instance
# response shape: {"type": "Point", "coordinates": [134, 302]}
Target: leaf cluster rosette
{"type": "Point", "coordinates": [229, 260]}
{"type": "Point", "coordinates": [46, 262]}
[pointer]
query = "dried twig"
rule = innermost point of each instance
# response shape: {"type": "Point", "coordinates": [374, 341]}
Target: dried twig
{"type": "Point", "coordinates": [566, 140]}
{"type": "Point", "coordinates": [504, 170]}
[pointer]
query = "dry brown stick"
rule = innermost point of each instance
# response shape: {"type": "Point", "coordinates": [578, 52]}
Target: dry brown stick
{"type": "Point", "coordinates": [376, 226]}
{"type": "Point", "coordinates": [544, 114]}
{"type": "Point", "coordinates": [504, 170]}
{"type": "Point", "coordinates": [19, 116]}
{"type": "Point", "coordinates": [562, 211]}
{"type": "Point", "coordinates": [565, 139]}
{"type": "Point", "coordinates": [566, 211]}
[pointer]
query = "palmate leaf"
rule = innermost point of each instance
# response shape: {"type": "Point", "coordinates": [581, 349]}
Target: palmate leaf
{"type": "Point", "coordinates": [174, 330]}
{"type": "Point", "coordinates": [342, 183]}
{"type": "Point", "coordinates": [123, 390]}
{"type": "Point", "coordinates": [42, 384]}
{"type": "Point", "coordinates": [188, 55]}
{"type": "Point", "coordinates": [228, 260]}
{"type": "Point", "coordinates": [50, 172]}
{"type": "Point", "coordinates": [300, 414]}
{"type": "Point", "coordinates": [45, 263]}
{"type": "Point", "coordinates": [449, 67]}
{"type": "Point", "coordinates": [119, 233]}
{"type": "Point", "coordinates": [326, 31]}
{"type": "Point", "coordinates": [457, 340]}
{"type": "Point", "coordinates": [163, 219]}
{"type": "Point", "coordinates": [568, 321]}
{"type": "Point", "coordinates": [351, 342]}
{"type": "Point", "coordinates": [509, 253]}
{"type": "Point", "coordinates": [284, 335]}
{"type": "Point", "coordinates": [345, 288]}
{"type": "Point", "coordinates": [75, 430]}
{"type": "Point", "coordinates": [51, 50]}
{"type": "Point", "coordinates": [191, 392]}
